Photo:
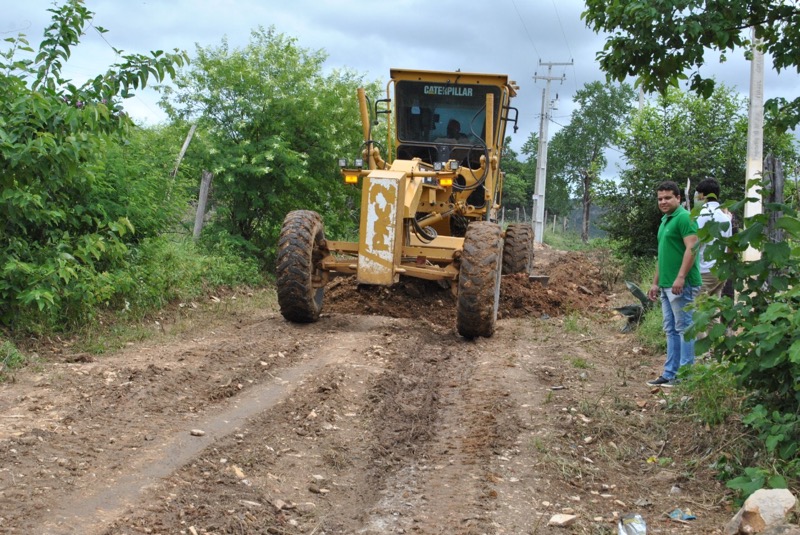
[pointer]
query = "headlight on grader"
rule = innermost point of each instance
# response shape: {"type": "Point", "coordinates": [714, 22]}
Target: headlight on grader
{"type": "Point", "coordinates": [342, 162]}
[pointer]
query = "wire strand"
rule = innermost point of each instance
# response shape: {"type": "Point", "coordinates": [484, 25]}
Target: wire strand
{"type": "Point", "coordinates": [522, 21]}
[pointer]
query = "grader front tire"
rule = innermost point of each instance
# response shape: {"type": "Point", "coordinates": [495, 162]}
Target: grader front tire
{"type": "Point", "coordinates": [298, 255]}
{"type": "Point", "coordinates": [518, 249]}
{"type": "Point", "coordinates": [479, 280]}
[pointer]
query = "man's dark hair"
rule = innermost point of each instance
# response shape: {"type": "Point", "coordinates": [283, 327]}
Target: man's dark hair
{"type": "Point", "coordinates": [669, 185]}
{"type": "Point", "coordinates": [708, 186]}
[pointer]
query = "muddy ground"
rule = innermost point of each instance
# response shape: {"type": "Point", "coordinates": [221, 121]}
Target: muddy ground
{"type": "Point", "coordinates": [377, 419]}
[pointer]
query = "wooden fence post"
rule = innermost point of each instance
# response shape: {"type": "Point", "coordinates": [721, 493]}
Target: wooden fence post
{"type": "Point", "coordinates": [181, 154]}
{"type": "Point", "coordinates": [205, 183]}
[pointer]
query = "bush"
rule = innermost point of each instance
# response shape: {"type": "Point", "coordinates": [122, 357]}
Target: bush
{"type": "Point", "coordinates": [191, 273]}
{"type": "Point", "coordinates": [756, 334]}
{"type": "Point", "coordinates": [63, 240]}
{"type": "Point", "coordinates": [715, 396]}
{"type": "Point", "coordinates": [10, 358]}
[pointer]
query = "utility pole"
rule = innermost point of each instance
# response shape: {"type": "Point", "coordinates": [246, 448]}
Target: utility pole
{"type": "Point", "coordinates": [541, 158]}
{"type": "Point", "coordinates": [755, 139]}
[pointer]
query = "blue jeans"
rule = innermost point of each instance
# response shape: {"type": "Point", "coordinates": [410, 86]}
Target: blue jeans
{"type": "Point", "coordinates": [677, 319]}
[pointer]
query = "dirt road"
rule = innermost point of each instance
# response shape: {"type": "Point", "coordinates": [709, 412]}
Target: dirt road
{"type": "Point", "coordinates": [377, 419]}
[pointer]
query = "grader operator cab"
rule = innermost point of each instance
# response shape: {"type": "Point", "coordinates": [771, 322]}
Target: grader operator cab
{"type": "Point", "coordinates": [429, 207]}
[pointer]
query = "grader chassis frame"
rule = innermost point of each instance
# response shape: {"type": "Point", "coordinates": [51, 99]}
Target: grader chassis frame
{"type": "Point", "coordinates": [431, 213]}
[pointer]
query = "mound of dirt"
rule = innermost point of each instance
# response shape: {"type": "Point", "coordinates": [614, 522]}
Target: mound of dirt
{"type": "Point", "coordinates": [575, 283]}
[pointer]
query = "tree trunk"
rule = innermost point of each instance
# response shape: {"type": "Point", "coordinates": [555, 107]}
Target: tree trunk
{"type": "Point", "coordinates": [774, 170]}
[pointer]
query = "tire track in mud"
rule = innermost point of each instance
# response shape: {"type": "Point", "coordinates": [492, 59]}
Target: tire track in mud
{"type": "Point", "coordinates": [395, 435]}
{"type": "Point", "coordinates": [447, 487]}
{"type": "Point", "coordinates": [66, 479]}
{"type": "Point", "coordinates": [88, 513]}
{"type": "Point", "coordinates": [367, 424]}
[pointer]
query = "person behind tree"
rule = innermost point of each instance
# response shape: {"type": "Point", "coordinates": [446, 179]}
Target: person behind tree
{"type": "Point", "coordinates": [707, 194]}
{"type": "Point", "coordinates": [677, 280]}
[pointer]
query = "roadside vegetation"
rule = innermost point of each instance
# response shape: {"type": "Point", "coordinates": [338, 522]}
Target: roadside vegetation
{"type": "Point", "coordinates": [98, 217]}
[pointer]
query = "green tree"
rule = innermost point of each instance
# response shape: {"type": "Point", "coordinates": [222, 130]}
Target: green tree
{"type": "Point", "coordinates": [63, 236]}
{"type": "Point", "coordinates": [516, 183]}
{"type": "Point", "coordinates": [577, 150]}
{"type": "Point", "coordinates": [682, 137]}
{"type": "Point", "coordinates": [276, 125]}
{"type": "Point", "coordinates": [557, 191]}
{"type": "Point", "coordinates": [658, 41]}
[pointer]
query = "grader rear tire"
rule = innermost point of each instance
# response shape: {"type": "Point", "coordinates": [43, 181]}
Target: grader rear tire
{"type": "Point", "coordinates": [518, 249]}
{"type": "Point", "coordinates": [298, 255]}
{"type": "Point", "coordinates": [479, 280]}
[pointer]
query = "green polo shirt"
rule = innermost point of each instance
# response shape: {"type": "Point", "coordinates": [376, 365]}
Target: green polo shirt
{"type": "Point", "coordinates": [673, 229]}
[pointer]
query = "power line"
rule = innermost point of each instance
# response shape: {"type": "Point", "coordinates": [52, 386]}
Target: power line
{"type": "Point", "coordinates": [566, 42]}
{"type": "Point", "coordinates": [522, 21]}
{"type": "Point", "coordinates": [103, 37]}
{"type": "Point", "coordinates": [117, 54]}
{"type": "Point", "coordinates": [555, 8]}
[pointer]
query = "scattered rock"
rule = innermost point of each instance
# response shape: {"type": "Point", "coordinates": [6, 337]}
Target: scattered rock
{"type": "Point", "coordinates": [763, 509]}
{"type": "Point", "coordinates": [197, 432]}
{"type": "Point", "coordinates": [562, 521]}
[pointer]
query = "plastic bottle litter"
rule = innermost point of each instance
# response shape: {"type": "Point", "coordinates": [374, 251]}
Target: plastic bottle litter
{"type": "Point", "coordinates": [632, 524]}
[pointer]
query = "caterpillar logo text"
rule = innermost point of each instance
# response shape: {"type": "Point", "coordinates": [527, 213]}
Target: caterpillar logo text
{"type": "Point", "coordinates": [449, 90]}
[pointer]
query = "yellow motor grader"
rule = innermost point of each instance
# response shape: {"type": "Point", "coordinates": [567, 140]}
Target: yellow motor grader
{"type": "Point", "coordinates": [429, 207]}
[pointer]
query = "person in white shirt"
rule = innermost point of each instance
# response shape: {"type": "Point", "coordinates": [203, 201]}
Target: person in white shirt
{"type": "Point", "coordinates": [707, 193]}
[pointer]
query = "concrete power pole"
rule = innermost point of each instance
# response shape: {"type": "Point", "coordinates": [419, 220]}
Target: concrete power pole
{"type": "Point", "coordinates": [755, 138]}
{"type": "Point", "coordinates": [541, 158]}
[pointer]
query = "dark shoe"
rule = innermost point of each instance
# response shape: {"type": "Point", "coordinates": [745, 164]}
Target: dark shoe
{"type": "Point", "coordinates": [661, 381]}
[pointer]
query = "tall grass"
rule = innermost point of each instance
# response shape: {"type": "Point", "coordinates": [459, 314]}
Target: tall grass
{"type": "Point", "coordinates": [165, 270]}
{"type": "Point", "coordinates": [10, 358]}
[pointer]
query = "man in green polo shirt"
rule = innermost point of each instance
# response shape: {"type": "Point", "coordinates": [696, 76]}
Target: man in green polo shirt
{"type": "Point", "coordinates": [677, 280]}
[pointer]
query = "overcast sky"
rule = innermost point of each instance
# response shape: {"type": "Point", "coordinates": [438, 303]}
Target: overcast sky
{"type": "Point", "coordinates": [498, 36]}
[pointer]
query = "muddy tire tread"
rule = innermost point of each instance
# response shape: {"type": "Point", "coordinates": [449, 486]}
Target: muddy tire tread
{"type": "Point", "coordinates": [299, 301]}
{"type": "Point", "coordinates": [479, 280]}
{"type": "Point", "coordinates": [518, 249]}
